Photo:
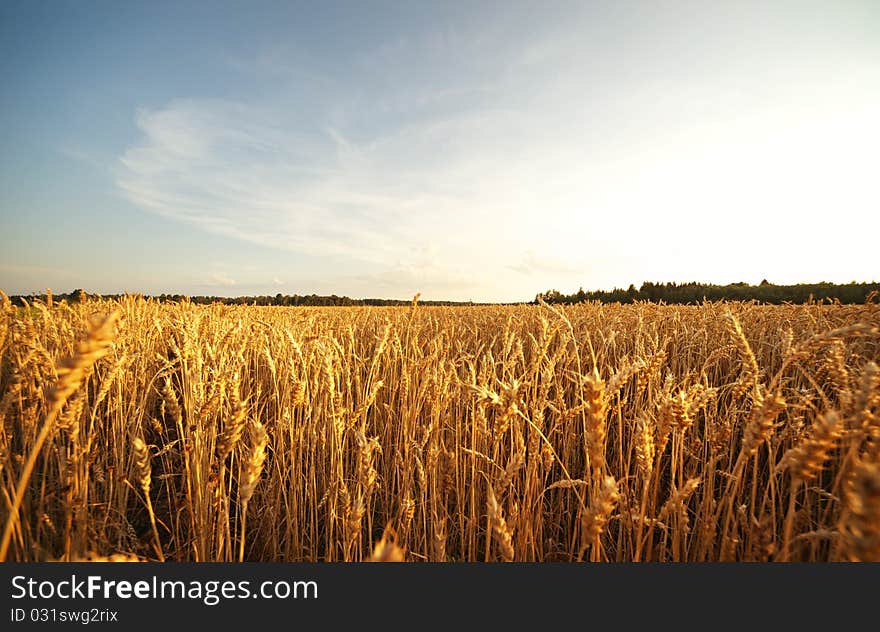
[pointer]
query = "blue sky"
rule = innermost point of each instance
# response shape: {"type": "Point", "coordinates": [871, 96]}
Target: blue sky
{"type": "Point", "coordinates": [463, 150]}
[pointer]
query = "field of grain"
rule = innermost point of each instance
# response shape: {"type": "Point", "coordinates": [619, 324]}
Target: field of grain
{"type": "Point", "coordinates": [725, 431]}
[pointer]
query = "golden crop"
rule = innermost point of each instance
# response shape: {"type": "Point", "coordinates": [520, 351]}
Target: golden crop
{"type": "Point", "coordinates": [724, 431]}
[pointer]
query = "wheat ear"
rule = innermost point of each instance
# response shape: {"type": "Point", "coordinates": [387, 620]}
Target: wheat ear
{"type": "Point", "coordinates": [253, 468]}
{"type": "Point", "coordinates": [144, 475]}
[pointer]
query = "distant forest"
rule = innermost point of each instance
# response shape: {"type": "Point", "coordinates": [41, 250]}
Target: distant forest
{"type": "Point", "coordinates": [684, 293]}
{"type": "Point", "coordinates": [670, 293]}
{"type": "Point", "coordinates": [283, 300]}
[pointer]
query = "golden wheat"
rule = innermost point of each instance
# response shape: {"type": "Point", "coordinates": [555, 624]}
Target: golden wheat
{"type": "Point", "coordinates": [727, 431]}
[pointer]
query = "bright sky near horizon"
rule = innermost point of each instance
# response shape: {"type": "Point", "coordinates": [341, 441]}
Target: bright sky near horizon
{"type": "Point", "coordinates": [464, 150]}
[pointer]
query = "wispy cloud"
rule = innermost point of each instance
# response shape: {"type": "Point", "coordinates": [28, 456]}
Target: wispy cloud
{"type": "Point", "coordinates": [219, 280]}
{"type": "Point", "coordinates": [432, 185]}
{"type": "Point", "coordinates": [533, 263]}
{"type": "Point", "coordinates": [463, 163]}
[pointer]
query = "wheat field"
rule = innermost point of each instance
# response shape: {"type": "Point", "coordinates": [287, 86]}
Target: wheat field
{"type": "Point", "coordinates": [134, 429]}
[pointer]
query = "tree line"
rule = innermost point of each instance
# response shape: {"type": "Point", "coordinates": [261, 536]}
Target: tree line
{"type": "Point", "coordinates": [670, 293]}
{"type": "Point", "coordinates": [284, 300]}
{"type": "Point", "coordinates": [685, 293]}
